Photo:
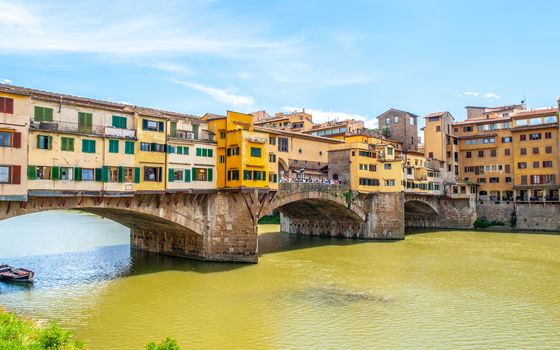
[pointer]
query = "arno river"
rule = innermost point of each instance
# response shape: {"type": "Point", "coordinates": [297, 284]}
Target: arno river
{"type": "Point", "coordinates": [436, 290]}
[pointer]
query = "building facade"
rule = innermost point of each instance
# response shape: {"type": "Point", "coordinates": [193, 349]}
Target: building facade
{"type": "Point", "coordinates": [402, 127]}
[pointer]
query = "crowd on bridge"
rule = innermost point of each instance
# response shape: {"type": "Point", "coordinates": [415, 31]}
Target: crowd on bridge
{"type": "Point", "coordinates": [317, 180]}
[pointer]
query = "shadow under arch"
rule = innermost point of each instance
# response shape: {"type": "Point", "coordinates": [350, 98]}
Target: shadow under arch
{"type": "Point", "coordinates": [419, 214]}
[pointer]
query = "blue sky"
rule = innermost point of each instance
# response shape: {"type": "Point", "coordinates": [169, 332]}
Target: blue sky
{"type": "Point", "coordinates": [335, 58]}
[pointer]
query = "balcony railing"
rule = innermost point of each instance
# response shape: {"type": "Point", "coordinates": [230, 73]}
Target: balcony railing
{"type": "Point", "coordinates": [60, 126]}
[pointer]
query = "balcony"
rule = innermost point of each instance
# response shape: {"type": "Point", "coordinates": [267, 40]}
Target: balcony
{"type": "Point", "coordinates": [68, 127]}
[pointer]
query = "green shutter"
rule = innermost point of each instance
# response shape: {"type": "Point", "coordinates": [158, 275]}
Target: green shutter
{"type": "Point", "coordinates": [49, 142]}
{"type": "Point", "coordinates": [119, 122]}
{"type": "Point", "coordinates": [31, 172]}
{"type": "Point", "coordinates": [160, 126]}
{"type": "Point", "coordinates": [113, 146]}
{"type": "Point", "coordinates": [47, 114]}
{"type": "Point", "coordinates": [85, 146]}
{"type": "Point", "coordinates": [186, 151]}
{"type": "Point", "coordinates": [170, 175]}
{"type": "Point", "coordinates": [38, 141]}
{"type": "Point", "coordinates": [121, 174]}
{"type": "Point", "coordinates": [99, 174]}
{"type": "Point", "coordinates": [205, 152]}
{"type": "Point", "coordinates": [210, 175]}
{"type": "Point", "coordinates": [144, 124]}
{"type": "Point", "coordinates": [136, 175]}
{"type": "Point", "coordinates": [77, 174]}
{"type": "Point", "coordinates": [198, 152]}
{"type": "Point", "coordinates": [85, 122]}
{"type": "Point", "coordinates": [210, 153]}
{"type": "Point", "coordinates": [173, 129]}
{"type": "Point", "coordinates": [105, 174]}
{"type": "Point", "coordinates": [194, 174]}
{"type": "Point", "coordinates": [129, 147]}
{"type": "Point", "coordinates": [187, 175]}
{"type": "Point", "coordinates": [38, 115]}
{"type": "Point", "coordinates": [179, 149]}
{"type": "Point", "coordinates": [55, 173]}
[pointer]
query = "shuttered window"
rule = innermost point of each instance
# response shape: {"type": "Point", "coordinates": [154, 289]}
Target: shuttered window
{"type": "Point", "coordinates": [6, 105]}
{"type": "Point", "coordinates": [113, 146]}
{"type": "Point", "coordinates": [129, 147]}
{"type": "Point", "coordinates": [43, 114]}
{"type": "Point", "coordinates": [44, 142]}
{"type": "Point", "coordinates": [119, 122]}
{"type": "Point", "coordinates": [88, 146]}
{"type": "Point", "coordinates": [67, 144]}
{"type": "Point", "coordinates": [85, 122]}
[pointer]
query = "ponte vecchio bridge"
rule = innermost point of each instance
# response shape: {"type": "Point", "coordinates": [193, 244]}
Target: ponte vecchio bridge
{"type": "Point", "coordinates": [222, 225]}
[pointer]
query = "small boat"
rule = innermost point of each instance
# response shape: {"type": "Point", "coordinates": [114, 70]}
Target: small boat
{"type": "Point", "coordinates": [8, 273]}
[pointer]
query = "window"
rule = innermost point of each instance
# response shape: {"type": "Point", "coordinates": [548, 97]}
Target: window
{"type": "Point", "coordinates": [233, 151]}
{"type": "Point", "coordinates": [5, 139]}
{"type": "Point", "coordinates": [113, 173]}
{"type": "Point", "coordinates": [44, 142]}
{"type": "Point", "coordinates": [387, 166]}
{"type": "Point", "coordinates": [506, 139]}
{"type": "Point", "coordinates": [372, 167]}
{"type": "Point", "coordinates": [547, 164]}
{"type": "Point", "coordinates": [67, 144]}
{"type": "Point", "coordinates": [438, 128]}
{"type": "Point", "coordinates": [272, 140]}
{"type": "Point", "coordinates": [508, 169]}
{"type": "Point", "coordinates": [492, 153]}
{"type": "Point", "coordinates": [480, 154]}
{"type": "Point", "coordinates": [494, 180]}
{"type": "Point", "coordinates": [523, 179]}
{"type": "Point", "coordinates": [412, 120]}
{"type": "Point", "coordinates": [387, 121]}
{"type": "Point", "coordinates": [389, 151]}
{"type": "Point", "coordinates": [433, 119]}
{"type": "Point", "coordinates": [128, 174]}
{"type": "Point", "coordinates": [119, 122]}
{"type": "Point", "coordinates": [6, 105]}
{"type": "Point", "coordinates": [259, 175]}
{"type": "Point", "coordinates": [396, 120]}
{"type": "Point", "coordinates": [173, 129]}
{"type": "Point", "coordinates": [4, 174]}
{"type": "Point", "coordinates": [113, 146]}
{"type": "Point", "coordinates": [43, 172]}
{"type": "Point", "coordinates": [535, 150]}
{"type": "Point", "coordinates": [390, 183]}
{"type": "Point", "coordinates": [431, 155]}
{"type": "Point", "coordinates": [151, 125]}
{"type": "Point", "coordinates": [222, 159]}
{"type": "Point", "coordinates": [152, 174]}
{"type": "Point", "coordinates": [256, 152]}
{"type": "Point", "coordinates": [535, 136]}
{"type": "Point", "coordinates": [129, 147]}
{"type": "Point", "coordinates": [202, 174]}
{"type": "Point", "coordinates": [507, 152]}
{"type": "Point", "coordinates": [233, 175]}
{"type": "Point", "coordinates": [88, 174]}
{"type": "Point", "coordinates": [548, 149]}
{"type": "Point", "coordinates": [88, 146]}
{"type": "Point", "coordinates": [195, 128]}
{"type": "Point", "coordinates": [273, 178]}
{"type": "Point", "coordinates": [523, 151]}
{"type": "Point", "coordinates": [522, 137]}
{"type": "Point", "coordinates": [66, 173]}
{"type": "Point", "coordinates": [247, 175]}
{"type": "Point", "coordinates": [179, 175]}
{"type": "Point", "coordinates": [467, 129]}
{"type": "Point", "coordinates": [536, 165]}
{"type": "Point", "coordinates": [328, 132]}
{"type": "Point", "coordinates": [548, 135]}
{"type": "Point", "coordinates": [272, 158]}
{"type": "Point", "coordinates": [222, 134]}
{"type": "Point", "coordinates": [85, 122]}
{"type": "Point", "coordinates": [283, 144]}
{"type": "Point", "coordinates": [42, 114]}
{"type": "Point", "coordinates": [522, 165]}
{"type": "Point", "coordinates": [144, 146]}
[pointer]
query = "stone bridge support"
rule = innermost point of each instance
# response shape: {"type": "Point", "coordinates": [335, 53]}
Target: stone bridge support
{"type": "Point", "coordinates": [423, 211]}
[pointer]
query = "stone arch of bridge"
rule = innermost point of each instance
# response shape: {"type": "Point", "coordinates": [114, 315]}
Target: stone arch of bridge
{"type": "Point", "coordinates": [126, 212]}
{"type": "Point", "coordinates": [316, 206]}
{"type": "Point", "coordinates": [420, 207]}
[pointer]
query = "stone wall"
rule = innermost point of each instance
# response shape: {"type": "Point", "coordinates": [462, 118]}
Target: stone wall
{"type": "Point", "coordinates": [495, 211]}
{"type": "Point", "coordinates": [456, 213]}
{"type": "Point", "coordinates": [538, 216]}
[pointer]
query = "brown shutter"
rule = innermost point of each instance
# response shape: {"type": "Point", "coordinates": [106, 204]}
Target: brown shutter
{"type": "Point", "coordinates": [10, 105]}
{"type": "Point", "coordinates": [17, 140]}
{"type": "Point", "coordinates": [16, 174]}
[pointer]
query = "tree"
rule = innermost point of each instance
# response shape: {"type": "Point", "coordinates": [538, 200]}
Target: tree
{"type": "Point", "coordinates": [167, 344]}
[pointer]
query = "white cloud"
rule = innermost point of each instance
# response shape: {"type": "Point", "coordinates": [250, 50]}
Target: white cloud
{"type": "Point", "coordinates": [468, 93]}
{"type": "Point", "coordinates": [5, 81]}
{"type": "Point", "coordinates": [220, 95]}
{"type": "Point", "coordinates": [172, 68]}
{"type": "Point", "coordinates": [491, 95]}
{"type": "Point", "coordinates": [128, 28]}
{"type": "Point", "coordinates": [320, 116]}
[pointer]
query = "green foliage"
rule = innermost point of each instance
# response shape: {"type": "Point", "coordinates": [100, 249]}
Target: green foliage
{"type": "Point", "coordinates": [385, 131]}
{"type": "Point", "coordinates": [18, 334]}
{"type": "Point", "coordinates": [348, 197]}
{"type": "Point", "coordinates": [167, 344]}
{"type": "Point", "coordinates": [270, 219]}
{"type": "Point", "coordinates": [483, 223]}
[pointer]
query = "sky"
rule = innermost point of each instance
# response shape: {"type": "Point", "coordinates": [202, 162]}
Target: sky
{"type": "Point", "coordinates": [336, 59]}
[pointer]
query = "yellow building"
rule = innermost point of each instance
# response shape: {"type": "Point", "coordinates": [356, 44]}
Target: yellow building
{"type": "Point", "coordinates": [336, 129]}
{"type": "Point", "coordinates": [535, 155]}
{"type": "Point", "coordinates": [242, 155]}
{"type": "Point", "coordinates": [14, 116]}
{"type": "Point", "coordinates": [295, 121]}
{"type": "Point", "coordinates": [422, 175]}
{"type": "Point", "coordinates": [367, 167]}
{"type": "Point", "coordinates": [191, 155]}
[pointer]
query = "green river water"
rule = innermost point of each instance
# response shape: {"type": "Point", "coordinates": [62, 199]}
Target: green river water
{"type": "Point", "coordinates": [434, 290]}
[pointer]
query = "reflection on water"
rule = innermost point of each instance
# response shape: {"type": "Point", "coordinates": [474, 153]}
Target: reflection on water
{"type": "Point", "coordinates": [434, 290]}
